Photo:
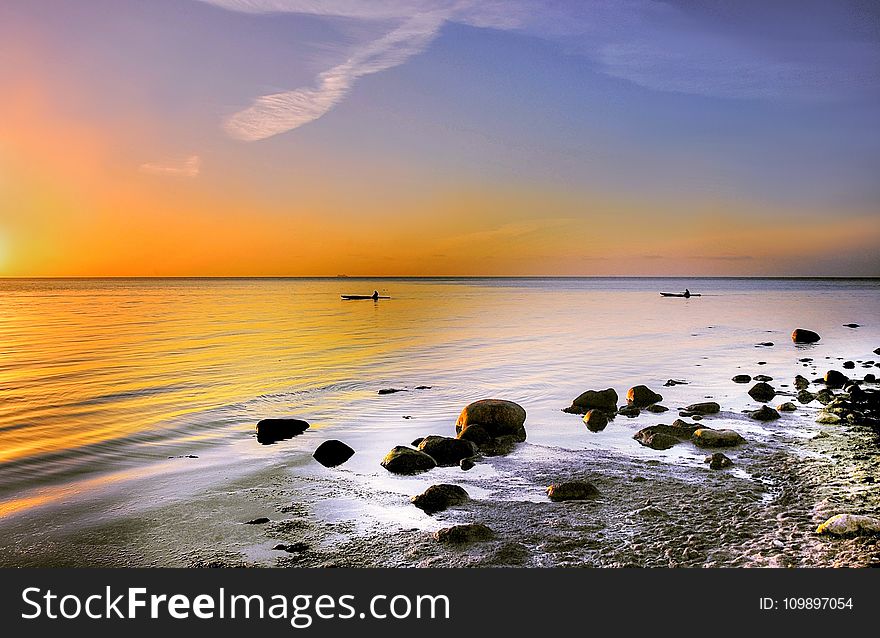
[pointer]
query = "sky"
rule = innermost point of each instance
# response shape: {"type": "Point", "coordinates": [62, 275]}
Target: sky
{"type": "Point", "coordinates": [439, 137]}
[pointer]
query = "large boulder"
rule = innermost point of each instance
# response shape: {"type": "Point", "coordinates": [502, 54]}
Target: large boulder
{"type": "Point", "coordinates": [459, 534]}
{"type": "Point", "coordinates": [498, 417]}
{"type": "Point", "coordinates": [446, 450]}
{"type": "Point", "coordinates": [572, 491]}
{"type": "Point", "coordinates": [762, 392]}
{"type": "Point", "coordinates": [440, 497]}
{"type": "Point", "coordinates": [271, 430]}
{"type": "Point", "coordinates": [801, 335]}
{"type": "Point", "coordinates": [850, 525]}
{"type": "Point", "coordinates": [405, 460]}
{"type": "Point", "coordinates": [705, 437]}
{"type": "Point", "coordinates": [641, 396]}
{"type": "Point", "coordinates": [706, 407]}
{"type": "Point", "coordinates": [605, 400]}
{"type": "Point", "coordinates": [595, 420]}
{"type": "Point", "coordinates": [835, 379]}
{"type": "Point", "coordinates": [332, 453]}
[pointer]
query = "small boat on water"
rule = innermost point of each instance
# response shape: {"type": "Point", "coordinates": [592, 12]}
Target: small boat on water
{"type": "Point", "coordinates": [359, 297]}
{"type": "Point", "coordinates": [679, 294]}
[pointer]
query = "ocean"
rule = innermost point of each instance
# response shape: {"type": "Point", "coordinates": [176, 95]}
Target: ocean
{"type": "Point", "coordinates": [121, 396]}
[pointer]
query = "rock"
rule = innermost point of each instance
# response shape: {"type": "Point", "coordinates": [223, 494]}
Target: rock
{"type": "Point", "coordinates": [390, 391]}
{"type": "Point", "coordinates": [417, 442]}
{"type": "Point", "coordinates": [763, 377]}
{"type": "Point", "coordinates": [272, 430]}
{"type": "Point", "coordinates": [788, 406]}
{"type": "Point", "coordinates": [800, 335]}
{"type": "Point", "coordinates": [706, 407]}
{"type": "Point", "coordinates": [405, 460]}
{"type": "Point", "coordinates": [801, 383]}
{"type": "Point", "coordinates": [498, 417]}
{"type": "Point", "coordinates": [447, 451]}
{"type": "Point", "coordinates": [629, 411]}
{"type": "Point", "coordinates": [704, 437]}
{"type": "Point", "coordinates": [825, 396]}
{"type": "Point", "coordinates": [718, 461]}
{"type": "Point", "coordinates": [291, 548]}
{"type": "Point", "coordinates": [851, 325]}
{"type": "Point", "coordinates": [870, 378]}
{"type": "Point", "coordinates": [850, 525]}
{"type": "Point", "coordinates": [642, 396]}
{"type": "Point", "coordinates": [805, 396]}
{"type": "Point", "coordinates": [572, 491]}
{"type": "Point", "coordinates": [466, 464]}
{"type": "Point", "coordinates": [477, 435]}
{"type": "Point", "coordinates": [877, 351]}
{"type": "Point", "coordinates": [741, 378]}
{"type": "Point", "coordinates": [656, 408]}
{"type": "Point", "coordinates": [595, 420]}
{"type": "Point", "coordinates": [764, 413]}
{"type": "Point", "coordinates": [765, 344]}
{"type": "Point", "coordinates": [658, 440]}
{"type": "Point", "coordinates": [673, 382]}
{"type": "Point", "coordinates": [835, 379]}
{"type": "Point", "coordinates": [459, 534]}
{"type": "Point", "coordinates": [828, 419]}
{"type": "Point", "coordinates": [605, 400]}
{"type": "Point", "coordinates": [257, 521]}
{"type": "Point", "coordinates": [424, 387]}
{"type": "Point", "coordinates": [440, 497]}
{"type": "Point", "coordinates": [762, 392]}
{"type": "Point", "coordinates": [332, 453]}
{"type": "Point", "coordinates": [695, 417]}
{"type": "Point", "coordinates": [849, 365]}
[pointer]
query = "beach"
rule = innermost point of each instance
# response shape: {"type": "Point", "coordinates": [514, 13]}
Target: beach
{"type": "Point", "coordinates": [128, 411]}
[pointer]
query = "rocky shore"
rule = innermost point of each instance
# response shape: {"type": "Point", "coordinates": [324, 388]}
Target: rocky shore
{"type": "Point", "coordinates": [786, 500]}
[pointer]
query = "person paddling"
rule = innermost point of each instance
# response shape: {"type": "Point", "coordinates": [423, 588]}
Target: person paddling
{"type": "Point", "coordinates": [687, 293]}
{"type": "Point", "coordinates": [375, 295]}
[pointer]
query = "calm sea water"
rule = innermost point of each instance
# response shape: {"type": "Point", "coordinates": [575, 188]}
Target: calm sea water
{"type": "Point", "coordinates": [102, 382]}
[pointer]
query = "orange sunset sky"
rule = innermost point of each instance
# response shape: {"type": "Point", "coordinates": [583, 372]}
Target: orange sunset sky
{"type": "Point", "coordinates": [427, 138]}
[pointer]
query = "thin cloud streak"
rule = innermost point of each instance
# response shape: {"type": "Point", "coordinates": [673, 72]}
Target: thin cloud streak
{"type": "Point", "coordinates": [188, 167]}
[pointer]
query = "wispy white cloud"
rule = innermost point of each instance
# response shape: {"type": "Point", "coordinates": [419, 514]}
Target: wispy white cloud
{"type": "Point", "coordinates": [656, 45]}
{"type": "Point", "coordinates": [182, 167]}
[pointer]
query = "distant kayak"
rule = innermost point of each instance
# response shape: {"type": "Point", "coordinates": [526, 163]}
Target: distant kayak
{"type": "Point", "coordinates": [679, 294]}
{"type": "Point", "coordinates": [354, 297]}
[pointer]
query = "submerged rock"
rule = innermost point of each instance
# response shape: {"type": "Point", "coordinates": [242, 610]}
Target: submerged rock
{"type": "Point", "coordinates": [801, 383]}
{"type": "Point", "coordinates": [447, 451]}
{"type": "Point", "coordinates": [851, 325]}
{"type": "Point", "coordinates": [332, 453]}
{"type": "Point", "coordinates": [788, 406]}
{"type": "Point", "coordinates": [656, 408]}
{"type": "Point", "coordinates": [405, 460]}
{"type": "Point", "coordinates": [257, 521]}
{"type": "Point", "coordinates": [705, 437]}
{"type": "Point", "coordinates": [805, 396]}
{"type": "Point", "coordinates": [459, 534]}
{"type": "Point", "coordinates": [764, 413]}
{"type": "Point", "coordinates": [641, 396]}
{"type": "Point", "coordinates": [497, 416]}
{"type": "Point", "coordinates": [477, 435]}
{"type": "Point", "coordinates": [657, 440]}
{"type": "Point", "coordinates": [706, 407]}
{"type": "Point", "coordinates": [500, 446]}
{"type": "Point", "coordinates": [762, 392]}
{"type": "Point", "coordinates": [272, 430]}
{"type": "Point", "coordinates": [718, 461]}
{"type": "Point", "coordinates": [801, 335]}
{"type": "Point", "coordinates": [629, 411]}
{"type": "Point", "coordinates": [850, 525]}
{"type": "Point", "coordinates": [572, 491]}
{"type": "Point", "coordinates": [595, 420]}
{"type": "Point", "coordinates": [663, 437]}
{"type": "Point", "coordinates": [605, 400]}
{"type": "Point", "coordinates": [673, 382]}
{"type": "Point", "coordinates": [763, 377]}
{"type": "Point", "coordinates": [825, 396]}
{"type": "Point", "coordinates": [741, 378]}
{"type": "Point", "coordinates": [440, 497]}
{"type": "Point", "coordinates": [828, 419]}
{"type": "Point", "coordinates": [384, 391]}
